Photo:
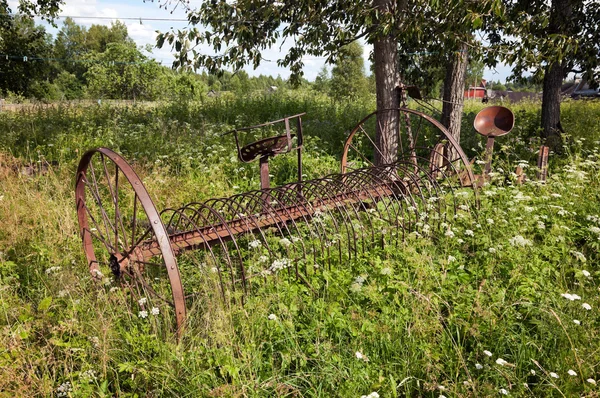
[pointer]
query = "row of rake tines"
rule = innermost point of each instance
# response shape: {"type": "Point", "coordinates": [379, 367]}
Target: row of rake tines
{"type": "Point", "coordinates": [319, 220]}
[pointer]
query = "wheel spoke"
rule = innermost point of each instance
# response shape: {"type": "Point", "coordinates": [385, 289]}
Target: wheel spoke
{"type": "Point", "coordinates": [96, 194]}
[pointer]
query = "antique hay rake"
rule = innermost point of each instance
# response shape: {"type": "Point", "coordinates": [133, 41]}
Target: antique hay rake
{"type": "Point", "coordinates": [292, 228]}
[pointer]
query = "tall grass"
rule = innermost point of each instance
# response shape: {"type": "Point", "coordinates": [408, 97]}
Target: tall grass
{"type": "Point", "coordinates": [423, 319]}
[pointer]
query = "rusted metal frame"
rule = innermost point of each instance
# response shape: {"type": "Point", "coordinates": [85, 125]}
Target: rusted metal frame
{"type": "Point", "coordinates": [406, 196]}
{"type": "Point", "coordinates": [290, 218]}
{"type": "Point", "coordinates": [208, 247]}
{"type": "Point", "coordinates": [115, 195]}
{"type": "Point", "coordinates": [542, 163]}
{"type": "Point", "coordinates": [381, 174]}
{"type": "Point", "coordinates": [411, 140]}
{"type": "Point", "coordinates": [265, 124]}
{"type": "Point", "coordinates": [364, 174]}
{"type": "Point", "coordinates": [299, 144]}
{"type": "Point", "coordinates": [405, 191]}
{"type": "Point", "coordinates": [96, 195]}
{"type": "Point", "coordinates": [242, 215]}
{"type": "Point", "coordinates": [152, 215]}
{"type": "Point", "coordinates": [450, 163]}
{"type": "Point", "coordinates": [419, 185]}
{"type": "Point", "coordinates": [309, 189]}
{"type": "Point", "coordinates": [344, 178]}
{"type": "Point", "coordinates": [305, 214]}
{"type": "Point", "coordinates": [335, 179]}
{"type": "Point", "coordinates": [225, 224]}
{"type": "Point", "coordinates": [338, 200]}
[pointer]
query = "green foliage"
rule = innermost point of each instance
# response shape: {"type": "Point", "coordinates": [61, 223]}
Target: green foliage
{"type": "Point", "coordinates": [19, 37]}
{"type": "Point", "coordinates": [422, 319]}
{"type": "Point", "coordinates": [123, 72]}
{"type": "Point", "coordinates": [348, 80]}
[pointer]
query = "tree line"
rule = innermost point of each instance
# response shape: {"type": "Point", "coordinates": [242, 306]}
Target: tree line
{"type": "Point", "coordinates": [100, 62]}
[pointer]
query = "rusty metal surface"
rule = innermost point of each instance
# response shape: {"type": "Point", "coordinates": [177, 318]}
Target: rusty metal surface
{"type": "Point", "coordinates": [106, 228]}
{"type": "Point", "coordinates": [494, 121]}
{"type": "Point", "coordinates": [542, 163]}
{"type": "Point", "coordinates": [296, 225]}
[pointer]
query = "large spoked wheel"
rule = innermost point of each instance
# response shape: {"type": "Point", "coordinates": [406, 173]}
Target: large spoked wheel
{"type": "Point", "coordinates": [418, 140]}
{"type": "Point", "coordinates": [124, 237]}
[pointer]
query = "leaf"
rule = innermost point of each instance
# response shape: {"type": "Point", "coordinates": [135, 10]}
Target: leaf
{"type": "Point", "coordinates": [45, 304]}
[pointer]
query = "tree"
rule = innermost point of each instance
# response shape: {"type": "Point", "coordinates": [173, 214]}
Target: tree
{"type": "Point", "coordinates": [123, 72]}
{"type": "Point", "coordinates": [240, 31]}
{"type": "Point", "coordinates": [24, 43]}
{"type": "Point", "coordinates": [552, 39]}
{"type": "Point", "coordinates": [348, 79]}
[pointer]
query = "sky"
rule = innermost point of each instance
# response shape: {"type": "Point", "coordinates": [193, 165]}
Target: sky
{"type": "Point", "coordinates": [143, 32]}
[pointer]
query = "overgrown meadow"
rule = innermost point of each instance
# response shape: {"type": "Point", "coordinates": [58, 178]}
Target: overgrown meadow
{"type": "Point", "coordinates": [502, 301]}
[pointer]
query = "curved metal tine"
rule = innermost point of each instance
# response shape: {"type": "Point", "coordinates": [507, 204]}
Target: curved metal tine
{"type": "Point", "coordinates": [197, 214]}
{"type": "Point", "coordinates": [430, 182]}
{"type": "Point", "coordinates": [362, 189]}
{"type": "Point", "coordinates": [341, 208]}
{"type": "Point", "coordinates": [138, 276]}
{"type": "Point", "coordinates": [232, 235]}
{"type": "Point", "coordinates": [358, 188]}
{"type": "Point", "coordinates": [431, 173]}
{"type": "Point", "coordinates": [237, 216]}
{"type": "Point", "coordinates": [191, 223]}
{"type": "Point", "coordinates": [96, 194]}
{"type": "Point", "coordinates": [259, 197]}
{"type": "Point", "coordinates": [401, 194]}
{"type": "Point", "coordinates": [284, 206]}
{"type": "Point", "coordinates": [311, 191]}
{"type": "Point", "coordinates": [377, 182]}
{"type": "Point", "coordinates": [337, 180]}
{"type": "Point", "coordinates": [414, 182]}
{"type": "Point", "coordinates": [409, 167]}
{"type": "Point", "coordinates": [291, 193]}
{"type": "Point", "coordinates": [416, 136]}
{"type": "Point", "coordinates": [115, 199]}
{"type": "Point", "coordinates": [375, 147]}
{"type": "Point", "coordinates": [446, 176]}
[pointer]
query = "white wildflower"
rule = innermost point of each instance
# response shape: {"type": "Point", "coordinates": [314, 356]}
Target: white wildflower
{"type": "Point", "coordinates": [272, 317]}
{"type": "Point", "coordinates": [520, 241]}
{"type": "Point", "coordinates": [441, 388]}
{"type": "Point", "coordinates": [571, 297]}
{"type": "Point", "coordinates": [553, 375]}
{"type": "Point", "coordinates": [254, 244]}
{"type": "Point", "coordinates": [579, 256]}
{"type": "Point", "coordinates": [586, 306]}
{"type": "Point", "coordinates": [53, 270]}
{"type": "Point", "coordinates": [492, 250]}
{"type": "Point", "coordinates": [460, 241]}
{"type": "Point", "coordinates": [488, 353]}
{"type": "Point", "coordinates": [263, 259]}
{"type": "Point", "coordinates": [386, 271]}
{"type": "Point", "coordinates": [468, 232]}
{"type": "Point", "coordinates": [451, 259]}
{"type": "Point", "coordinates": [449, 233]}
{"type": "Point", "coordinates": [503, 391]}
{"type": "Point", "coordinates": [155, 311]}
{"type": "Point", "coordinates": [490, 221]}
{"type": "Point", "coordinates": [478, 366]}
{"type": "Point", "coordinates": [586, 273]}
{"type": "Point", "coordinates": [577, 322]}
{"type": "Point", "coordinates": [360, 355]}
{"type": "Point", "coordinates": [571, 372]}
{"type": "Point", "coordinates": [371, 395]}
{"type": "Point", "coordinates": [541, 225]}
{"type": "Point", "coordinates": [532, 372]}
{"type": "Point", "coordinates": [285, 242]}
{"type": "Point", "coordinates": [143, 314]}
{"type": "Point", "coordinates": [142, 301]}
{"type": "Point", "coordinates": [501, 362]}
{"type": "Point", "coordinates": [591, 381]}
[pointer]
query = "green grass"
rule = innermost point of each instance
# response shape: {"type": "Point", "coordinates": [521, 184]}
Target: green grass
{"type": "Point", "coordinates": [424, 316]}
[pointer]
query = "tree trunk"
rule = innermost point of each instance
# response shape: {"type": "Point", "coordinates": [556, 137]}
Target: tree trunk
{"type": "Point", "coordinates": [386, 80]}
{"type": "Point", "coordinates": [553, 78]}
{"type": "Point", "coordinates": [561, 15]}
{"type": "Point", "coordinates": [454, 93]}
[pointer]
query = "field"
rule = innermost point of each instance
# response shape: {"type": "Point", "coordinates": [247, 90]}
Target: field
{"type": "Point", "coordinates": [505, 301]}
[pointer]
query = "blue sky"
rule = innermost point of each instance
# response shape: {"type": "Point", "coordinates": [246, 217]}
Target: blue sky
{"type": "Point", "coordinates": [144, 32]}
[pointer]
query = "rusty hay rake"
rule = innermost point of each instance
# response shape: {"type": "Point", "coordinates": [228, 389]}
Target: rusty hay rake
{"type": "Point", "coordinates": [291, 229]}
